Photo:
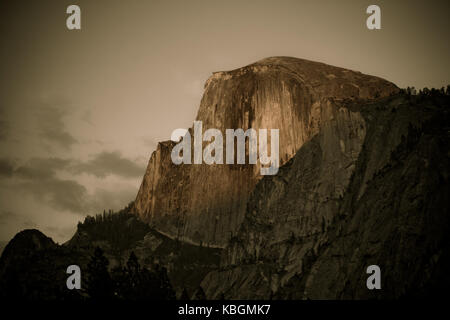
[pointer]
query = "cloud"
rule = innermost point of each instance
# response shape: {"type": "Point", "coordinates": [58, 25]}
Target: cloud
{"type": "Point", "coordinates": [38, 177]}
{"type": "Point", "coordinates": [106, 163]}
{"type": "Point", "coordinates": [6, 216]}
{"type": "Point", "coordinates": [104, 199]}
{"type": "Point", "coordinates": [42, 168]}
{"type": "Point", "coordinates": [51, 127]}
{"type": "Point", "coordinates": [150, 143]}
{"type": "Point", "coordinates": [10, 217]}
{"type": "Point", "coordinates": [101, 165]}
{"type": "Point", "coordinates": [6, 167]}
{"type": "Point", "coordinates": [59, 232]}
{"type": "Point", "coordinates": [4, 125]}
{"type": "Point", "coordinates": [58, 193]}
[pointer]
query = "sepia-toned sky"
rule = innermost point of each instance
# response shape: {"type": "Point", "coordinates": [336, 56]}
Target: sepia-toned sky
{"type": "Point", "coordinates": [81, 111]}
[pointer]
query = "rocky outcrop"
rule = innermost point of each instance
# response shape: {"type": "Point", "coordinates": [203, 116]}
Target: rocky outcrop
{"type": "Point", "coordinates": [370, 188]}
{"type": "Point", "coordinates": [206, 203]}
{"type": "Point", "coordinates": [29, 269]}
{"type": "Point", "coordinates": [25, 242]}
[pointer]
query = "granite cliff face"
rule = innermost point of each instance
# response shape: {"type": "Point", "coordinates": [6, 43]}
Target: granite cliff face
{"type": "Point", "coordinates": [373, 190]}
{"type": "Point", "coordinates": [206, 203]}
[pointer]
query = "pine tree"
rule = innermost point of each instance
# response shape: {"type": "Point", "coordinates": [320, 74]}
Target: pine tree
{"type": "Point", "coordinates": [99, 283]}
{"type": "Point", "coordinates": [199, 294]}
{"type": "Point", "coordinates": [133, 264]}
{"type": "Point", "coordinates": [165, 286]}
{"type": "Point", "coordinates": [184, 295]}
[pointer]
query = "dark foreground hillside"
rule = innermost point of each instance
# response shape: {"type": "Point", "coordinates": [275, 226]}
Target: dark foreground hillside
{"type": "Point", "coordinates": [120, 258]}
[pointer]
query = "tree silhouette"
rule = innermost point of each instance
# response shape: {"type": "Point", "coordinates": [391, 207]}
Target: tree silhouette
{"type": "Point", "coordinates": [165, 286]}
{"type": "Point", "coordinates": [99, 283]}
{"type": "Point", "coordinates": [199, 294]}
{"type": "Point", "coordinates": [184, 295]}
{"type": "Point", "coordinates": [133, 266]}
{"type": "Point", "coordinates": [138, 283]}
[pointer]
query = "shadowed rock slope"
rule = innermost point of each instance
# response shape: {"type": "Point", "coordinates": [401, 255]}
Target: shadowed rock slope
{"type": "Point", "coordinates": [371, 191]}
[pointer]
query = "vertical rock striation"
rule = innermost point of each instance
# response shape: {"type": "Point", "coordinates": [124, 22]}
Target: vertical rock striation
{"type": "Point", "coordinates": [370, 188]}
{"type": "Point", "coordinates": [206, 203]}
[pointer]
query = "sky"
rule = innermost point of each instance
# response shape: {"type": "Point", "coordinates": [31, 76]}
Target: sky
{"type": "Point", "coordinates": [81, 111]}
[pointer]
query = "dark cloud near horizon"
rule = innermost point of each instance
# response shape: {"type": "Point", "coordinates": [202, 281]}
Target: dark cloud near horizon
{"type": "Point", "coordinates": [7, 216]}
{"type": "Point", "coordinates": [38, 177]}
{"type": "Point", "coordinates": [51, 127]}
{"type": "Point", "coordinates": [58, 193]}
{"type": "Point", "coordinates": [70, 195]}
{"type": "Point", "coordinates": [4, 129]}
{"type": "Point", "coordinates": [4, 124]}
{"type": "Point", "coordinates": [6, 167]}
{"type": "Point", "coordinates": [106, 163]}
{"type": "Point", "coordinates": [42, 168]}
{"type": "Point", "coordinates": [101, 165]}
